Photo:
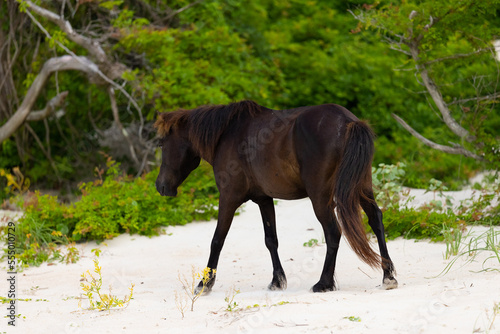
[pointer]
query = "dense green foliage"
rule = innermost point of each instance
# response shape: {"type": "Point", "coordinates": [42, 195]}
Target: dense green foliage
{"type": "Point", "coordinates": [280, 53]}
{"type": "Point", "coordinates": [451, 42]}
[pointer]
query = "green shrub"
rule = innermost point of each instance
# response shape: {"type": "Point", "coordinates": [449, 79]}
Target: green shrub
{"type": "Point", "coordinates": [41, 229]}
{"type": "Point", "coordinates": [420, 223]}
{"type": "Point", "coordinates": [388, 184]}
{"type": "Point", "coordinates": [436, 217]}
{"type": "Point", "coordinates": [121, 204]}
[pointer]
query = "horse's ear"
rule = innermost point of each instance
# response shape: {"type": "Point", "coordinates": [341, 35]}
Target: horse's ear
{"type": "Point", "coordinates": [165, 122]}
{"type": "Point", "coordinates": [159, 124]}
{"type": "Point", "coordinates": [170, 120]}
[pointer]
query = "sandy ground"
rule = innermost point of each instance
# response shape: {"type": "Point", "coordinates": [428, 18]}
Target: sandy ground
{"type": "Point", "coordinates": [459, 302]}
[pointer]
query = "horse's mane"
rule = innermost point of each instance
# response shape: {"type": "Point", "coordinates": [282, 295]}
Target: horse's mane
{"type": "Point", "coordinates": [206, 124]}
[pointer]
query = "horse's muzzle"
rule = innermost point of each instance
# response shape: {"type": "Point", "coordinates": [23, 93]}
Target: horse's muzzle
{"type": "Point", "coordinates": [165, 190]}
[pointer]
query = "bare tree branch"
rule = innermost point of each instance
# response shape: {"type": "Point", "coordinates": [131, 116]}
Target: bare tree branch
{"type": "Point", "coordinates": [413, 43]}
{"type": "Point", "coordinates": [477, 99]}
{"type": "Point", "coordinates": [457, 56]}
{"type": "Point", "coordinates": [54, 103]}
{"type": "Point", "coordinates": [92, 46]}
{"type": "Point", "coordinates": [180, 10]}
{"type": "Point", "coordinates": [438, 99]}
{"type": "Point", "coordinates": [103, 69]}
{"type": "Point", "coordinates": [113, 70]}
{"type": "Point", "coordinates": [362, 18]}
{"type": "Point", "coordinates": [456, 149]}
{"type": "Point", "coordinates": [52, 65]}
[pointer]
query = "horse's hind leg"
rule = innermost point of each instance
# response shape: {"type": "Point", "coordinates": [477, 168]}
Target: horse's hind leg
{"type": "Point", "coordinates": [266, 206]}
{"type": "Point", "coordinates": [332, 236]}
{"type": "Point", "coordinates": [375, 221]}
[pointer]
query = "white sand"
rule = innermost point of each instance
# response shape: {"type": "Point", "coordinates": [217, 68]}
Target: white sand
{"type": "Point", "coordinates": [458, 302]}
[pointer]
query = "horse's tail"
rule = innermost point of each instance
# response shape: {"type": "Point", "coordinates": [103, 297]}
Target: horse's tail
{"type": "Point", "coordinates": [353, 181]}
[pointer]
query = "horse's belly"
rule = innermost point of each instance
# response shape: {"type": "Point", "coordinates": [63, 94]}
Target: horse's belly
{"type": "Point", "coordinates": [282, 184]}
{"type": "Point", "coordinates": [288, 195]}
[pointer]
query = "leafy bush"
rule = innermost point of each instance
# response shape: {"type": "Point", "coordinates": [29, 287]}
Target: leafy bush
{"type": "Point", "coordinates": [120, 204]}
{"type": "Point", "coordinates": [388, 184]}
{"type": "Point", "coordinates": [420, 223]}
{"type": "Point", "coordinates": [111, 205]}
{"type": "Point", "coordinates": [436, 217]}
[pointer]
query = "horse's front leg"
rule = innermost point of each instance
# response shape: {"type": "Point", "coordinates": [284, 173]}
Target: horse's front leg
{"type": "Point", "coordinates": [227, 208]}
{"type": "Point", "coordinates": [266, 206]}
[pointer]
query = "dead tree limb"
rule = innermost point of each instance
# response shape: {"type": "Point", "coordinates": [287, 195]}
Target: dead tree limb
{"type": "Point", "coordinates": [51, 106]}
{"type": "Point", "coordinates": [89, 44]}
{"type": "Point", "coordinates": [437, 97]}
{"type": "Point", "coordinates": [100, 68]}
{"type": "Point", "coordinates": [64, 63]}
{"type": "Point", "coordinates": [443, 148]}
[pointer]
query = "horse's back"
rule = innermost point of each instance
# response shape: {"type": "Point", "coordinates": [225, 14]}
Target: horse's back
{"type": "Point", "coordinates": [321, 129]}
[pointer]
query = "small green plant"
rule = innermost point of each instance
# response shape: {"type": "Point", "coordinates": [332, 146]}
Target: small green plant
{"type": "Point", "coordinates": [495, 313]}
{"type": "Point", "coordinates": [485, 208]}
{"type": "Point", "coordinates": [96, 251]}
{"type": "Point", "coordinates": [311, 243]}
{"type": "Point", "coordinates": [487, 242]}
{"type": "Point", "coordinates": [257, 306]}
{"type": "Point", "coordinates": [388, 185]}
{"type": "Point", "coordinates": [5, 300]}
{"type": "Point", "coordinates": [229, 299]}
{"type": "Point", "coordinates": [353, 318]}
{"type": "Point", "coordinates": [453, 238]}
{"type": "Point", "coordinates": [490, 320]}
{"type": "Point", "coordinates": [190, 289]}
{"type": "Point", "coordinates": [72, 254]}
{"type": "Point", "coordinates": [92, 289]}
{"type": "Point", "coordinates": [437, 188]}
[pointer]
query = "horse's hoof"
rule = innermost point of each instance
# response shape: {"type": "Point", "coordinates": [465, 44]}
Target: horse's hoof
{"type": "Point", "coordinates": [202, 290]}
{"type": "Point", "coordinates": [278, 283]}
{"type": "Point", "coordinates": [205, 289]}
{"type": "Point", "coordinates": [389, 283]}
{"type": "Point", "coordinates": [320, 287]}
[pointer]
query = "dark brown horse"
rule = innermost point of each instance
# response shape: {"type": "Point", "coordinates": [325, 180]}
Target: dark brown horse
{"type": "Point", "coordinates": [322, 152]}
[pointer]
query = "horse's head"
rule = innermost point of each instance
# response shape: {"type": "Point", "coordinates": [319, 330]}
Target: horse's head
{"type": "Point", "coordinates": [178, 159]}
